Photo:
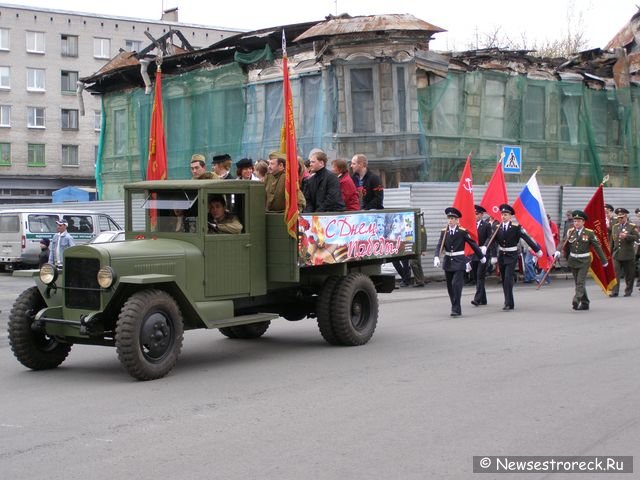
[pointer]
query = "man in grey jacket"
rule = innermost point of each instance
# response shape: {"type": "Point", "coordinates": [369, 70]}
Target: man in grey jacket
{"type": "Point", "coordinates": [59, 243]}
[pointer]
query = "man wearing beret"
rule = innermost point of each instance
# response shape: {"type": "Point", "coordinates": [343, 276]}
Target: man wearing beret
{"type": "Point", "coordinates": [507, 238]}
{"type": "Point", "coordinates": [451, 245]}
{"type": "Point", "coordinates": [480, 269]}
{"type": "Point", "coordinates": [222, 167]}
{"type": "Point", "coordinates": [198, 168]}
{"type": "Point", "coordinates": [623, 235]}
{"type": "Point", "coordinates": [577, 249]}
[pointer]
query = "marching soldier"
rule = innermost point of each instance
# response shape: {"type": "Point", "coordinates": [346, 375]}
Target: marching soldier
{"type": "Point", "coordinates": [623, 236]}
{"type": "Point", "coordinates": [507, 238]}
{"type": "Point", "coordinates": [577, 248]}
{"type": "Point", "coordinates": [451, 244]}
{"type": "Point", "coordinates": [480, 269]}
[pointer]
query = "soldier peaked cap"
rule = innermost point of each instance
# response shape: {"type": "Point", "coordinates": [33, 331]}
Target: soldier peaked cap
{"type": "Point", "coordinates": [579, 214]}
{"type": "Point", "coordinates": [622, 211]}
{"type": "Point", "coordinates": [608, 206]}
{"type": "Point", "coordinates": [452, 212]}
{"type": "Point", "coordinates": [480, 209]}
{"type": "Point", "coordinates": [221, 158]}
{"type": "Point", "coordinates": [198, 157]}
{"type": "Point", "coordinates": [506, 208]}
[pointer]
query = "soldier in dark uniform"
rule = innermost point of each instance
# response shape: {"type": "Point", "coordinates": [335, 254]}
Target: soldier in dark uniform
{"type": "Point", "coordinates": [577, 249]}
{"type": "Point", "coordinates": [480, 269]}
{"type": "Point", "coordinates": [507, 238]}
{"type": "Point", "coordinates": [451, 244]}
{"type": "Point", "coordinates": [623, 235]}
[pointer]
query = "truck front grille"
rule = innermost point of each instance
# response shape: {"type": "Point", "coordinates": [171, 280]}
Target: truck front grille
{"type": "Point", "coordinates": [81, 283]}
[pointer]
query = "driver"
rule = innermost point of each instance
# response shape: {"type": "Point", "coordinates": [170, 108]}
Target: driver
{"type": "Point", "coordinates": [221, 220]}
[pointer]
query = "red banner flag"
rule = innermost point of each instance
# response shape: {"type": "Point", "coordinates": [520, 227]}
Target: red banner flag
{"type": "Point", "coordinates": [464, 202]}
{"type": "Point", "coordinates": [605, 277]}
{"type": "Point", "coordinates": [495, 194]}
{"type": "Point", "coordinates": [291, 184]}
{"type": "Point", "coordinates": [157, 162]}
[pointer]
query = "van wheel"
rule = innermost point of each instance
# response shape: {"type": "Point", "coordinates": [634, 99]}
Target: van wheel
{"type": "Point", "coordinates": [149, 334]}
{"type": "Point", "coordinates": [323, 310]}
{"type": "Point", "coordinates": [34, 349]}
{"type": "Point", "coordinates": [354, 310]}
{"type": "Point", "coordinates": [251, 330]}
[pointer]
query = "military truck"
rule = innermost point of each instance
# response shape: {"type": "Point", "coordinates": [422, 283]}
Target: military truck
{"type": "Point", "coordinates": [177, 271]}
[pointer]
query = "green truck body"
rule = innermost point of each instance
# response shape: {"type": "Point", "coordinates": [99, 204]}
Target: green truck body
{"type": "Point", "coordinates": [174, 273]}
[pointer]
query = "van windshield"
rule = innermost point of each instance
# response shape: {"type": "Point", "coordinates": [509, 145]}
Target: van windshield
{"type": "Point", "coordinates": [42, 223]}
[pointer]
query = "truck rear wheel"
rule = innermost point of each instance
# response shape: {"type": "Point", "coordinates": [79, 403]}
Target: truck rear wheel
{"type": "Point", "coordinates": [323, 310]}
{"type": "Point", "coordinates": [149, 334]}
{"type": "Point", "coordinates": [354, 310]}
{"type": "Point", "coordinates": [32, 348]}
{"type": "Point", "coordinates": [251, 330]}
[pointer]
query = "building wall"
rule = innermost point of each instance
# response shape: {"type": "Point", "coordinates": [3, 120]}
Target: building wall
{"type": "Point", "coordinates": [53, 24]}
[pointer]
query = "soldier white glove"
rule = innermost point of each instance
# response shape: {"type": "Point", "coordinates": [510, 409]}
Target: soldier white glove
{"type": "Point", "coordinates": [467, 267]}
{"type": "Point", "coordinates": [483, 249]}
{"type": "Point", "coordinates": [436, 262]}
{"type": "Point", "coordinates": [605, 265]}
{"type": "Point", "coordinates": [539, 253]}
{"type": "Point", "coordinates": [494, 260]}
{"type": "Point", "coordinates": [483, 260]}
{"type": "Point", "coordinates": [556, 254]}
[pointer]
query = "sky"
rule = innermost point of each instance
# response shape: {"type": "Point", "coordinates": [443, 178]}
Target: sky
{"type": "Point", "coordinates": [466, 21]}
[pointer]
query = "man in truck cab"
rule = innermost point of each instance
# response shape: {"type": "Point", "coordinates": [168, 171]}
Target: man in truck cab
{"type": "Point", "coordinates": [220, 219]}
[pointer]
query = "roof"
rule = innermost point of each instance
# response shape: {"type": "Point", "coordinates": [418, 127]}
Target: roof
{"type": "Point", "coordinates": [346, 24]}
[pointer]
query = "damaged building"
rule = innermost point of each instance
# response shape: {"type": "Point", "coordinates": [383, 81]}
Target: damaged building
{"type": "Point", "coordinates": [371, 85]}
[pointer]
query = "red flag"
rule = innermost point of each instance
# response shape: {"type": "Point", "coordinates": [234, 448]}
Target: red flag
{"type": "Point", "coordinates": [464, 202]}
{"type": "Point", "coordinates": [291, 185]}
{"type": "Point", "coordinates": [495, 194]}
{"type": "Point", "coordinates": [605, 277]}
{"type": "Point", "coordinates": [157, 161]}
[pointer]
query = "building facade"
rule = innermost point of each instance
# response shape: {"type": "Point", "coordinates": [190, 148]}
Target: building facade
{"type": "Point", "coordinates": [49, 132]}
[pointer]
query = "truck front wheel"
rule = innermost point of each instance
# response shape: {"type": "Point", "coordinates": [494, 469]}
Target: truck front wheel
{"type": "Point", "coordinates": [149, 334]}
{"type": "Point", "coordinates": [34, 349]}
{"type": "Point", "coordinates": [354, 312]}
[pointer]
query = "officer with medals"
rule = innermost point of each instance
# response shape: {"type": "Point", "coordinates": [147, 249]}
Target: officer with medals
{"type": "Point", "coordinates": [623, 236]}
{"type": "Point", "coordinates": [507, 237]}
{"type": "Point", "coordinates": [577, 249]}
{"type": "Point", "coordinates": [451, 245]}
{"type": "Point", "coordinates": [480, 269]}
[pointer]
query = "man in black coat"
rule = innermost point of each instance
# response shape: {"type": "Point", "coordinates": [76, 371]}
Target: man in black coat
{"type": "Point", "coordinates": [507, 238]}
{"type": "Point", "coordinates": [451, 244]}
{"type": "Point", "coordinates": [368, 184]}
{"type": "Point", "coordinates": [480, 269]}
{"type": "Point", "coordinates": [322, 189]}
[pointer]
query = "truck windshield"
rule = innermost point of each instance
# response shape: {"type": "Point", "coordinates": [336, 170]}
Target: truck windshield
{"type": "Point", "coordinates": [172, 210]}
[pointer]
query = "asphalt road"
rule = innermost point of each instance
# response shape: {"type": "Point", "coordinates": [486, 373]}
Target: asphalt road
{"type": "Point", "coordinates": [418, 402]}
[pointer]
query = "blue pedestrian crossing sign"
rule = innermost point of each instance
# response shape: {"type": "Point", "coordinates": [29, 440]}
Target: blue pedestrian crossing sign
{"type": "Point", "coordinates": [512, 159]}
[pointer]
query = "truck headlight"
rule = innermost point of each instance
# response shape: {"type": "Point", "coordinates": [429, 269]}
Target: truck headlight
{"type": "Point", "coordinates": [48, 274]}
{"type": "Point", "coordinates": [106, 277]}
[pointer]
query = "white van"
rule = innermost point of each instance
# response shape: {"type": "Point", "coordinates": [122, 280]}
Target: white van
{"type": "Point", "coordinates": [21, 231]}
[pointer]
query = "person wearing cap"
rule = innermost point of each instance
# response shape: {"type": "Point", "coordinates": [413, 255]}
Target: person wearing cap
{"type": "Point", "coordinates": [577, 249]}
{"type": "Point", "coordinates": [507, 237]}
{"type": "Point", "coordinates": [274, 184]}
{"type": "Point", "coordinates": [44, 251]}
{"type": "Point", "coordinates": [451, 244]}
{"type": "Point", "coordinates": [610, 218]}
{"type": "Point", "coordinates": [623, 236]}
{"type": "Point", "coordinates": [222, 167]}
{"type": "Point", "coordinates": [59, 243]}
{"type": "Point", "coordinates": [244, 169]}
{"type": "Point", "coordinates": [199, 168]}
{"type": "Point", "coordinates": [479, 270]}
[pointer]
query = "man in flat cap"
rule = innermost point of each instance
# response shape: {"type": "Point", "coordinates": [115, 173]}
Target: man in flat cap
{"type": "Point", "coordinates": [577, 249]}
{"type": "Point", "coordinates": [451, 245]}
{"type": "Point", "coordinates": [507, 238]}
{"type": "Point", "coordinates": [222, 167]}
{"type": "Point", "coordinates": [199, 168]}
{"type": "Point", "coordinates": [623, 235]}
{"type": "Point", "coordinates": [59, 243]}
{"type": "Point", "coordinates": [479, 270]}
